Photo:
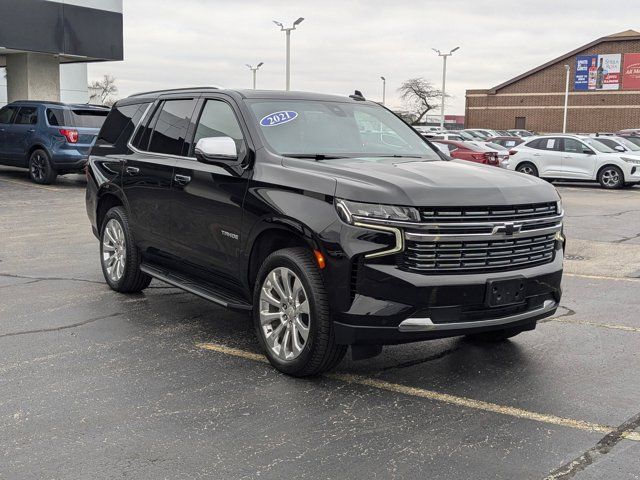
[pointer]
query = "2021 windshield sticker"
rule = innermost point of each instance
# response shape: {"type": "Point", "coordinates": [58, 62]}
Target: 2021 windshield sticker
{"type": "Point", "coordinates": [278, 118]}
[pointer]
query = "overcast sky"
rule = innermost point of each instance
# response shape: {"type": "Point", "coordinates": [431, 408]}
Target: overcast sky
{"type": "Point", "coordinates": [349, 44]}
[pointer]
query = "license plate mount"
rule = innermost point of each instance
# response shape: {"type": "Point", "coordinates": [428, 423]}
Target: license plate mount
{"type": "Point", "coordinates": [506, 291]}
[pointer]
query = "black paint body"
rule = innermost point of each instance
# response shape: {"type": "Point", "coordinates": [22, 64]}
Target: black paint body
{"type": "Point", "coordinates": [267, 195]}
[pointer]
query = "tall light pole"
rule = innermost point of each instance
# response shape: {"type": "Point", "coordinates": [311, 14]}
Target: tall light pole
{"type": "Point", "coordinates": [288, 32]}
{"type": "Point", "coordinates": [444, 79]}
{"type": "Point", "coordinates": [566, 100]}
{"type": "Point", "coordinates": [254, 70]}
{"type": "Point", "coordinates": [384, 88]}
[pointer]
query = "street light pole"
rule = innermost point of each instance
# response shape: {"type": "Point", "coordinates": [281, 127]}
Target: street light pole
{"type": "Point", "coordinates": [566, 100]}
{"type": "Point", "coordinates": [254, 70]}
{"type": "Point", "coordinates": [384, 88]}
{"type": "Point", "coordinates": [444, 79]}
{"type": "Point", "coordinates": [288, 34]}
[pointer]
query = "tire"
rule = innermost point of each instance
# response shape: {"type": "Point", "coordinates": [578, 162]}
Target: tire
{"type": "Point", "coordinates": [610, 177]}
{"type": "Point", "coordinates": [278, 323]}
{"type": "Point", "coordinates": [40, 169]}
{"type": "Point", "coordinates": [527, 168]}
{"type": "Point", "coordinates": [496, 336]}
{"type": "Point", "coordinates": [122, 273]}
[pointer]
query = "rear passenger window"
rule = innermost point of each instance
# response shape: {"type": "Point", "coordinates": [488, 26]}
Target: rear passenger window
{"type": "Point", "coordinates": [55, 117]}
{"type": "Point", "coordinates": [27, 116]}
{"type": "Point", "coordinates": [171, 126]}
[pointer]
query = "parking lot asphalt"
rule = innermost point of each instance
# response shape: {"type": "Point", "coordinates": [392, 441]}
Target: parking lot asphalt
{"type": "Point", "coordinates": [163, 384]}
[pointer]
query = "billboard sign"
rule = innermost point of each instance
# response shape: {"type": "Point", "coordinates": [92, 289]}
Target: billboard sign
{"type": "Point", "coordinates": [598, 72]}
{"type": "Point", "coordinates": [631, 71]}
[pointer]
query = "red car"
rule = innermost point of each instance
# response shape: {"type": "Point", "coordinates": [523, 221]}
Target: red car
{"type": "Point", "coordinates": [470, 152]}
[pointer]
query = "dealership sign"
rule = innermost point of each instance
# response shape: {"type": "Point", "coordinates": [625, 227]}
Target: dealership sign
{"type": "Point", "coordinates": [631, 72]}
{"type": "Point", "coordinates": [606, 72]}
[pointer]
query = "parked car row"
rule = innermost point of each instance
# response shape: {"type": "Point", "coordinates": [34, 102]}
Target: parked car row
{"type": "Point", "coordinates": [614, 162]}
{"type": "Point", "coordinates": [48, 138]}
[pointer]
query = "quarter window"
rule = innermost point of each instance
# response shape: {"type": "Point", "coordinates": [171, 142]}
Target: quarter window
{"type": "Point", "coordinates": [55, 117]}
{"type": "Point", "coordinates": [27, 116]}
{"type": "Point", "coordinates": [171, 126]}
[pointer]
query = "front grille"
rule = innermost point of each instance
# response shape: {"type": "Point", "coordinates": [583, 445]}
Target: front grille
{"type": "Point", "coordinates": [476, 256]}
{"type": "Point", "coordinates": [489, 214]}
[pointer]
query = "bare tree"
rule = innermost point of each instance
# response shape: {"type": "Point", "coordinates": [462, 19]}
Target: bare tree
{"type": "Point", "coordinates": [419, 97]}
{"type": "Point", "coordinates": [102, 91]}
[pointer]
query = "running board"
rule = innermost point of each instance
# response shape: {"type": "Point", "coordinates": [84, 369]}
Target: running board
{"type": "Point", "coordinates": [207, 291]}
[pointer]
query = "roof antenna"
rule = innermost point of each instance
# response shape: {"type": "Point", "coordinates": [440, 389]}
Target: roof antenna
{"type": "Point", "coordinates": [357, 95]}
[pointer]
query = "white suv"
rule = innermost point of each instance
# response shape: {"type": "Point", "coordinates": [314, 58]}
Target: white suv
{"type": "Point", "coordinates": [573, 157]}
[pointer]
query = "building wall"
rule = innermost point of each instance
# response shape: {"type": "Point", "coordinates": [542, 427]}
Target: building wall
{"type": "Point", "coordinates": [540, 99]}
{"type": "Point", "coordinates": [73, 84]}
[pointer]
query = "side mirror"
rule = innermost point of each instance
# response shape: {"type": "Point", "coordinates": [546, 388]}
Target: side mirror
{"type": "Point", "coordinates": [215, 149]}
{"type": "Point", "coordinates": [619, 148]}
{"type": "Point", "coordinates": [588, 151]}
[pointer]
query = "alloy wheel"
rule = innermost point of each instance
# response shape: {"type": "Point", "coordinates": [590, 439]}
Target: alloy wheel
{"type": "Point", "coordinates": [114, 250]}
{"type": "Point", "coordinates": [611, 177]}
{"type": "Point", "coordinates": [527, 170]}
{"type": "Point", "coordinates": [38, 167]}
{"type": "Point", "coordinates": [285, 318]}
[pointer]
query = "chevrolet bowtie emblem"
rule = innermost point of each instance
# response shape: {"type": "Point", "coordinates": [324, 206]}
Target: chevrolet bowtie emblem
{"type": "Point", "coordinates": [508, 228]}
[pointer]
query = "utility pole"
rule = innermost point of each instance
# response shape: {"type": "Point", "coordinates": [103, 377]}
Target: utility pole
{"type": "Point", "coordinates": [444, 79]}
{"type": "Point", "coordinates": [254, 70]}
{"type": "Point", "coordinates": [288, 34]}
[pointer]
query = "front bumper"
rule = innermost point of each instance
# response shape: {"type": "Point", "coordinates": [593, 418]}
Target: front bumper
{"type": "Point", "coordinates": [393, 306]}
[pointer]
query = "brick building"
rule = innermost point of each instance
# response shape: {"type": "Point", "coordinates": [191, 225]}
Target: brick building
{"type": "Point", "coordinates": [535, 99]}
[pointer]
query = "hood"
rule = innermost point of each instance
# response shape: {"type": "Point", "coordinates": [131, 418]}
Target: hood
{"type": "Point", "coordinates": [414, 182]}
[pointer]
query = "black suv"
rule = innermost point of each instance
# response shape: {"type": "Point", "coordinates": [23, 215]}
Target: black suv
{"type": "Point", "coordinates": [328, 217]}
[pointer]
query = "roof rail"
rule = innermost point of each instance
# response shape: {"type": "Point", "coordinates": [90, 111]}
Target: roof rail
{"type": "Point", "coordinates": [169, 90]}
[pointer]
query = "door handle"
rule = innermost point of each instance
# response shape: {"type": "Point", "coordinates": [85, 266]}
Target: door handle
{"type": "Point", "coordinates": [31, 130]}
{"type": "Point", "coordinates": [182, 179]}
{"type": "Point", "coordinates": [132, 170]}
{"type": "Point", "coordinates": [536, 154]}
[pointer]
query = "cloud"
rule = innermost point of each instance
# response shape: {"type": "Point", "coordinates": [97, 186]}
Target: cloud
{"type": "Point", "coordinates": [347, 45]}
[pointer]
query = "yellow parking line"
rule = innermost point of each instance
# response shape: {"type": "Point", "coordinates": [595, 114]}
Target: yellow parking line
{"type": "Point", "coordinates": [440, 397]}
{"type": "Point", "coordinates": [595, 324]}
{"type": "Point", "coordinates": [26, 184]}
{"type": "Point", "coordinates": [602, 277]}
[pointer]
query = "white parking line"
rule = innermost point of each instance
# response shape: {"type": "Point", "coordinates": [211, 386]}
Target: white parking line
{"type": "Point", "coordinates": [27, 184]}
{"type": "Point", "coordinates": [439, 397]}
{"type": "Point", "coordinates": [595, 324]}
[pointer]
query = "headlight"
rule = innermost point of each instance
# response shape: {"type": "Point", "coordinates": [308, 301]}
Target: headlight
{"type": "Point", "coordinates": [559, 207]}
{"type": "Point", "coordinates": [348, 209]}
{"type": "Point", "coordinates": [635, 161]}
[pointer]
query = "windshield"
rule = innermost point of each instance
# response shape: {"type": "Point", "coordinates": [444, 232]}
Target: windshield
{"type": "Point", "coordinates": [599, 146]}
{"type": "Point", "coordinates": [311, 128]}
{"type": "Point", "coordinates": [630, 145]}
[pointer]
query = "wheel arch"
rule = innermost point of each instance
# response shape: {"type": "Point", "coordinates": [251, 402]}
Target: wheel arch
{"type": "Point", "coordinates": [272, 237]}
{"type": "Point", "coordinates": [107, 199]}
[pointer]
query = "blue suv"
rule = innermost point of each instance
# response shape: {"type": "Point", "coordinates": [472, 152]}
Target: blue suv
{"type": "Point", "coordinates": [48, 138]}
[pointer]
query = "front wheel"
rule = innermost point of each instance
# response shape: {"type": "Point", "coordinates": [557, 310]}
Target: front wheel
{"type": "Point", "coordinates": [291, 314]}
{"type": "Point", "coordinates": [119, 256]}
{"type": "Point", "coordinates": [40, 169]}
{"type": "Point", "coordinates": [611, 177]}
{"type": "Point", "coordinates": [527, 168]}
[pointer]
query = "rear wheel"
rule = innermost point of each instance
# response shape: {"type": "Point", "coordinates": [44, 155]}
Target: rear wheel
{"type": "Point", "coordinates": [40, 169]}
{"type": "Point", "coordinates": [119, 256]}
{"type": "Point", "coordinates": [527, 168]}
{"type": "Point", "coordinates": [291, 314]}
{"type": "Point", "coordinates": [611, 177]}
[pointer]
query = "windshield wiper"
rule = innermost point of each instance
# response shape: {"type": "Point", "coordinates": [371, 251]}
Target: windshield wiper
{"type": "Point", "coordinates": [314, 156]}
